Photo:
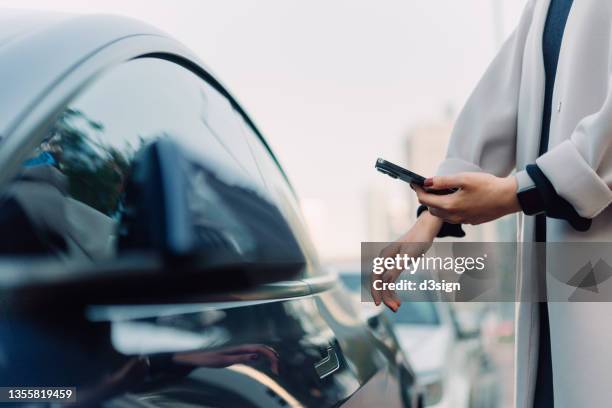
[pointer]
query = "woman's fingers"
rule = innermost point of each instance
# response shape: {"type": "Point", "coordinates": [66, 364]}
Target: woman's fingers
{"type": "Point", "coordinates": [389, 297]}
{"type": "Point", "coordinates": [445, 182]}
{"type": "Point", "coordinates": [432, 200]}
{"type": "Point", "coordinates": [448, 217]}
{"type": "Point", "coordinates": [391, 300]}
{"type": "Point", "coordinates": [438, 213]}
{"type": "Point", "coordinates": [383, 296]}
{"type": "Point", "coordinates": [376, 295]}
{"type": "Point", "coordinates": [387, 252]}
{"type": "Point", "coordinates": [445, 207]}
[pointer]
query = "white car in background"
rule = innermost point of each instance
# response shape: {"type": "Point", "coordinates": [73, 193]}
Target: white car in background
{"type": "Point", "coordinates": [445, 350]}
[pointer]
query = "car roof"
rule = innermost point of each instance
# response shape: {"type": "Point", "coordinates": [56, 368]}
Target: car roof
{"type": "Point", "coordinates": [15, 23]}
{"type": "Point", "coordinates": [39, 49]}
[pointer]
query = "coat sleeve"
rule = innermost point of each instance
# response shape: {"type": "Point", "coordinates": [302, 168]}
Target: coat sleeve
{"type": "Point", "coordinates": [580, 168]}
{"type": "Point", "coordinates": [484, 136]}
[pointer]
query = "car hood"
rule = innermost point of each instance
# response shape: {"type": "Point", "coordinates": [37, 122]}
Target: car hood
{"type": "Point", "coordinates": [427, 346]}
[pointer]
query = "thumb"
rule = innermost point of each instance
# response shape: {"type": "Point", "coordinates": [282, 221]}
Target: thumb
{"type": "Point", "coordinates": [444, 182]}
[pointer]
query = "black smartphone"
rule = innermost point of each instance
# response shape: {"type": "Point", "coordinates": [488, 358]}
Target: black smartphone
{"type": "Point", "coordinates": [397, 172]}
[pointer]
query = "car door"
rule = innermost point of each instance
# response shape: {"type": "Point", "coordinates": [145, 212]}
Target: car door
{"type": "Point", "coordinates": [290, 343]}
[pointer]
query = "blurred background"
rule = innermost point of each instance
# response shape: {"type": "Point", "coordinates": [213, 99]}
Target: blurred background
{"type": "Point", "coordinates": [335, 84]}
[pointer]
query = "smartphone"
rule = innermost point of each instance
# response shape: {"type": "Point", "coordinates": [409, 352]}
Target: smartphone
{"type": "Point", "coordinates": [397, 172]}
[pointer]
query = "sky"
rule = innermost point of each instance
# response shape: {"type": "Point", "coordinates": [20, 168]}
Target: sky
{"type": "Point", "coordinates": [332, 84]}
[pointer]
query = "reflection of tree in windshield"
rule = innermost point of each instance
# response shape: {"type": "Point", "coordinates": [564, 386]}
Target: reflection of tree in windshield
{"type": "Point", "coordinates": [96, 170]}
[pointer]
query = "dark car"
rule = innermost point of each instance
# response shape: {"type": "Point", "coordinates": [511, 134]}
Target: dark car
{"type": "Point", "coordinates": [153, 253]}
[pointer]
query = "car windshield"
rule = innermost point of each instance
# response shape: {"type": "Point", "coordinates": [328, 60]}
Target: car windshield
{"type": "Point", "coordinates": [415, 313]}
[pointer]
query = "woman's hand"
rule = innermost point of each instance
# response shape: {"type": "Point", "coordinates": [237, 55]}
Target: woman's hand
{"type": "Point", "coordinates": [481, 197]}
{"type": "Point", "coordinates": [414, 243]}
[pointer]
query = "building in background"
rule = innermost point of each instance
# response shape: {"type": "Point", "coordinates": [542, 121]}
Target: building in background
{"type": "Point", "coordinates": [425, 147]}
{"type": "Point", "coordinates": [388, 212]}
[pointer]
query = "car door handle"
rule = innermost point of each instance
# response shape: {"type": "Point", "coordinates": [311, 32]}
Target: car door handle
{"type": "Point", "coordinates": [329, 364]}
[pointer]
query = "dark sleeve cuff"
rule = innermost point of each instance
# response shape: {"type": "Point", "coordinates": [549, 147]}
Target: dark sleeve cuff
{"type": "Point", "coordinates": [553, 204]}
{"type": "Point", "coordinates": [448, 229]}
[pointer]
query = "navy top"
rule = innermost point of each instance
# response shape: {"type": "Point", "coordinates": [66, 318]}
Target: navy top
{"type": "Point", "coordinates": [551, 47]}
{"type": "Point", "coordinates": [554, 205]}
{"type": "Point", "coordinates": [551, 202]}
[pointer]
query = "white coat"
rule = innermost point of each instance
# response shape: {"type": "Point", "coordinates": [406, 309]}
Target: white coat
{"type": "Point", "coordinates": [498, 131]}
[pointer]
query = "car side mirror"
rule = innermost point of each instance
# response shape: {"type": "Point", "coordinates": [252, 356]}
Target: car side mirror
{"type": "Point", "coordinates": [186, 230]}
{"type": "Point", "coordinates": [183, 207]}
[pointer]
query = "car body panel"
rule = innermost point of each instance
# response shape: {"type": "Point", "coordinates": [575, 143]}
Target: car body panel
{"type": "Point", "coordinates": [189, 353]}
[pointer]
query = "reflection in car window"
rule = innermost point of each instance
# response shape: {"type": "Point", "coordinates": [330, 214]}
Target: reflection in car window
{"type": "Point", "coordinates": [95, 170]}
{"type": "Point", "coordinates": [283, 195]}
{"type": "Point", "coordinates": [69, 199]}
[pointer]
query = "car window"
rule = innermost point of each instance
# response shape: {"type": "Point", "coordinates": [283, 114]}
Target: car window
{"type": "Point", "coordinates": [226, 124]}
{"type": "Point", "coordinates": [282, 195]}
{"type": "Point", "coordinates": [69, 200]}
